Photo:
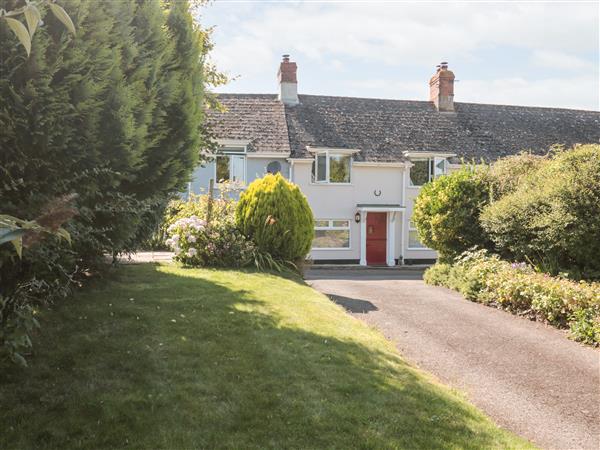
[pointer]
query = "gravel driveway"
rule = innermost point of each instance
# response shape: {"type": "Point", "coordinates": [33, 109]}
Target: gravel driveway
{"type": "Point", "coordinates": [530, 378]}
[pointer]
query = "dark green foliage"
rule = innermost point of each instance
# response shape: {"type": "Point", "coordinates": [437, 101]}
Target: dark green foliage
{"type": "Point", "coordinates": [113, 114]}
{"type": "Point", "coordinates": [446, 211]}
{"type": "Point", "coordinates": [553, 217]}
{"type": "Point", "coordinates": [275, 215]}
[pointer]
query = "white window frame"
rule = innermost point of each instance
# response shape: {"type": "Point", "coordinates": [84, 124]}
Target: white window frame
{"type": "Point", "coordinates": [231, 151]}
{"type": "Point", "coordinates": [432, 163]}
{"type": "Point", "coordinates": [328, 154]}
{"type": "Point", "coordinates": [330, 227]}
{"type": "Point", "coordinates": [412, 227]}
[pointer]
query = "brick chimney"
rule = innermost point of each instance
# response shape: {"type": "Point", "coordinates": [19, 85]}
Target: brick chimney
{"type": "Point", "coordinates": [288, 82]}
{"type": "Point", "coordinates": [441, 88]}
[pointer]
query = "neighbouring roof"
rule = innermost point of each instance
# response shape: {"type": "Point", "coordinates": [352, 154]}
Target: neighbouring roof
{"type": "Point", "coordinates": [257, 118]}
{"type": "Point", "coordinates": [384, 129]}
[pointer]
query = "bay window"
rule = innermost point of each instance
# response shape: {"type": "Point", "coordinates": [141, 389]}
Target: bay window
{"type": "Point", "coordinates": [331, 167]}
{"type": "Point", "coordinates": [331, 234]}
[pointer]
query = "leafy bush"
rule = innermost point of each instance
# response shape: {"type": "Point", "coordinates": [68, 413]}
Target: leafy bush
{"type": "Point", "coordinates": [553, 217]}
{"type": "Point", "coordinates": [446, 211]}
{"type": "Point", "coordinates": [219, 244]}
{"type": "Point", "coordinates": [114, 115]}
{"type": "Point", "coordinates": [275, 215]}
{"type": "Point", "coordinates": [506, 174]}
{"type": "Point", "coordinates": [517, 287]}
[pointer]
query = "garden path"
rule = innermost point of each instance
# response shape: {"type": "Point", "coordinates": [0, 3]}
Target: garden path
{"type": "Point", "coordinates": [529, 377]}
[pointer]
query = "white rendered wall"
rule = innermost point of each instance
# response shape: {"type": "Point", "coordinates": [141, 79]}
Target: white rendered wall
{"type": "Point", "coordinates": [331, 201]}
{"type": "Point", "coordinates": [255, 168]}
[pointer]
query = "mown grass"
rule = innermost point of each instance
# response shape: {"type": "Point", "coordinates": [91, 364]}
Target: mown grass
{"type": "Point", "coordinates": [173, 358]}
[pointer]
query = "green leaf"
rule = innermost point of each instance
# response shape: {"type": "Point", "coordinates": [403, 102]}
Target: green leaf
{"type": "Point", "coordinates": [21, 32]}
{"type": "Point", "coordinates": [62, 15]}
{"type": "Point", "coordinates": [18, 244]}
{"type": "Point", "coordinates": [33, 18]}
{"type": "Point", "coordinates": [9, 235]}
{"type": "Point", "coordinates": [61, 232]}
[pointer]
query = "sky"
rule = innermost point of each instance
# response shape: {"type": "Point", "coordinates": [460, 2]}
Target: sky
{"type": "Point", "coordinates": [517, 53]}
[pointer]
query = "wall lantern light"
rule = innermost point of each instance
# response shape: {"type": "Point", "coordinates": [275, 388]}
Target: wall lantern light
{"type": "Point", "coordinates": [357, 217]}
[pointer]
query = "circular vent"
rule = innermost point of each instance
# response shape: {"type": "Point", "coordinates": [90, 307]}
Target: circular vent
{"type": "Point", "coordinates": [274, 167]}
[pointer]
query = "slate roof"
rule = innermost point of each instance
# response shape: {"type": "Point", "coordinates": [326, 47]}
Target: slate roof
{"type": "Point", "coordinates": [258, 118]}
{"type": "Point", "coordinates": [384, 129]}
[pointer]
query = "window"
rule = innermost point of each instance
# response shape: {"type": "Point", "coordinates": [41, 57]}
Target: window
{"type": "Point", "coordinates": [330, 234]}
{"type": "Point", "coordinates": [331, 168]}
{"type": "Point", "coordinates": [413, 237]}
{"type": "Point", "coordinates": [425, 170]}
{"type": "Point", "coordinates": [231, 165]}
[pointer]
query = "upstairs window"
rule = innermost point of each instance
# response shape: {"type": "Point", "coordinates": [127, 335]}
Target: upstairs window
{"type": "Point", "coordinates": [330, 167]}
{"type": "Point", "coordinates": [425, 170]}
{"type": "Point", "coordinates": [231, 165]}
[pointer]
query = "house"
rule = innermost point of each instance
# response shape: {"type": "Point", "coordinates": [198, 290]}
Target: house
{"type": "Point", "coordinates": [361, 161]}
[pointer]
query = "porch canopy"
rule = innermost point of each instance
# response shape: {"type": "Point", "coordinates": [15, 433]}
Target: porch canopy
{"type": "Point", "coordinates": [379, 207]}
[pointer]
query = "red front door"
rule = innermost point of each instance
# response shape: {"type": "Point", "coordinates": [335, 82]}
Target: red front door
{"type": "Point", "coordinates": [376, 237]}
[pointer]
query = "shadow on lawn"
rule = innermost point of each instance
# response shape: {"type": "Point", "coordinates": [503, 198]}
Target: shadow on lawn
{"type": "Point", "coordinates": [165, 360]}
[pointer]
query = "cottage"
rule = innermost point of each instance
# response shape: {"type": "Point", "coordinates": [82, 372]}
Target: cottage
{"type": "Point", "coordinates": [361, 161]}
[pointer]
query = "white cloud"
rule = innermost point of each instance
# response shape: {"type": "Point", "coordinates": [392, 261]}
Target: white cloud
{"type": "Point", "coordinates": [353, 40]}
{"type": "Point", "coordinates": [559, 60]}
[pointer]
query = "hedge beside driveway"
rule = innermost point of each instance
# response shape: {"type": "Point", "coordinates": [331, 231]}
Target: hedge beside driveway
{"type": "Point", "coordinates": [516, 287]}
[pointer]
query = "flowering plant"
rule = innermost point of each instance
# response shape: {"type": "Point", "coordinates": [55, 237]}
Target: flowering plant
{"type": "Point", "coordinates": [219, 245]}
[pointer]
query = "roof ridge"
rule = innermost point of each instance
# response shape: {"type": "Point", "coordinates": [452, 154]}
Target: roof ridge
{"type": "Point", "coordinates": [347, 97]}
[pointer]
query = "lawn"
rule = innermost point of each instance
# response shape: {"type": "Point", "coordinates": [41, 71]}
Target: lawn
{"type": "Point", "coordinates": [173, 358]}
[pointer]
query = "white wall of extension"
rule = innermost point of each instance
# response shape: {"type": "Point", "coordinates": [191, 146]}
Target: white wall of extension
{"type": "Point", "coordinates": [369, 185]}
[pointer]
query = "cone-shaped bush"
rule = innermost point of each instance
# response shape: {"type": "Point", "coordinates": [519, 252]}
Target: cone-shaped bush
{"type": "Point", "coordinates": [275, 215]}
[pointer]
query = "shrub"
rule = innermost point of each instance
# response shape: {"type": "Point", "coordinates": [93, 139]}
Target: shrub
{"type": "Point", "coordinates": [446, 211]}
{"type": "Point", "coordinates": [508, 173]}
{"type": "Point", "coordinates": [275, 215]}
{"type": "Point", "coordinates": [553, 217]}
{"type": "Point", "coordinates": [517, 287]}
{"type": "Point", "coordinates": [114, 114]}
{"type": "Point", "coordinates": [219, 244]}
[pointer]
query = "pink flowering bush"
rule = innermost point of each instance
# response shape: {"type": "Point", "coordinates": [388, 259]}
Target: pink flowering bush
{"type": "Point", "coordinates": [219, 244]}
{"type": "Point", "coordinates": [517, 287]}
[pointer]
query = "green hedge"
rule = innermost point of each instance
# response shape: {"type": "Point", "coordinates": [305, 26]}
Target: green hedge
{"type": "Point", "coordinates": [552, 218]}
{"type": "Point", "coordinates": [518, 288]}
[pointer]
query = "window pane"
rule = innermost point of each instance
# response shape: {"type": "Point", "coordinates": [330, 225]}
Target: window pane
{"type": "Point", "coordinates": [440, 166]}
{"type": "Point", "coordinates": [339, 169]}
{"type": "Point", "coordinates": [419, 173]}
{"type": "Point", "coordinates": [341, 223]}
{"type": "Point", "coordinates": [331, 239]}
{"type": "Point", "coordinates": [238, 168]}
{"type": "Point", "coordinates": [322, 223]}
{"type": "Point", "coordinates": [413, 240]}
{"type": "Point", "coordinates": [322, 167]}
{"type": "Point", "coordinates": [223, 168]}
